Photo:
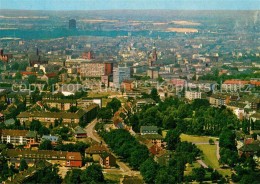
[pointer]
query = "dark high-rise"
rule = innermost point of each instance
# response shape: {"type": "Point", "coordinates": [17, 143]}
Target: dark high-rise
{"type": "Point", "coordinates": [72, 24]}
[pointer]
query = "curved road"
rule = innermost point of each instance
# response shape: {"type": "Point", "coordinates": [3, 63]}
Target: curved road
{"type": "Point", "coordinates": [90, 129]}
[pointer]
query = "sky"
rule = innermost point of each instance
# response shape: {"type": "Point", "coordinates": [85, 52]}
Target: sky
{"type": "Point", "coordinates": [130, 4]}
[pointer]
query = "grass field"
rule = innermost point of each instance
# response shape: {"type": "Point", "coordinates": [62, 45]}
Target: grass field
{"type": "Point", "coordinates": [195, 138]}
{"type": "Point", "coordinates": [210, 158]}
{"type": "Point", "coordinates": [112, 178]}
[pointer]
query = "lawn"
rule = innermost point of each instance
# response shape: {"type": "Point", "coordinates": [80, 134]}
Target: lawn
{"type": "Point", "coordinates": [196, 138]}
{"type": "Point", "coordinates": [112, 178]}
{"type": "Point", "coordinates": [210, 158]}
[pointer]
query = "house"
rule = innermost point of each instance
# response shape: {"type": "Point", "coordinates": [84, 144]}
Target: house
{"type": "Point", "coordinates": [146, 101]}
{"type": "Point", "coordinates": [74, 159]}
{"type": "Point", "coordinates": [192, 95]}
{"type": "Point", "coordinates": [62, 158]}
{"type": "Point", "coordinates": [117, 124]}
{"type": "Point", "coordinates": [155, 149]}
{"type": "Point", "coordinates": [71, 119]}
{"type": "Point", "coordinates": [107, 160]}
{"type": "Point", "coordinates": [61, 104]}
{"type": "Point", "coordinates": [250, 149]}
{"type": "Point", "coordinates": [14, 136]}
{"type": "Point", "coordinates": [95, 151]}
{"type": "Point", "coordinates": [127, 85]}
{"type": "Point", "coordinates": [217, 100]}
{"type": "Point", "coordinates": [53, 138]}
{"type": "Point", "coordinates": [148, 130]}
{"type": "Point", "coordinates": [131, 180]}
{"type": "Point", "coordinates": [31, 139]}
{"type": "Point", "coordinates": [154, 139]}
{"type": "Point", "coordinates": [9, 122]}
{"type": "Point", "coordinates": [80, 133]}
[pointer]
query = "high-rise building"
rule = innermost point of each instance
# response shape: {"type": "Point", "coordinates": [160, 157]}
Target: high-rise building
{"type": "Point", "coordinates": [95, 69]}
{"type": "Point", "coordinates": [120, 74]}
{"type": "Point", "coordinates": [88, 55]}
{"type": "Point", "coordinates": [72, 24]}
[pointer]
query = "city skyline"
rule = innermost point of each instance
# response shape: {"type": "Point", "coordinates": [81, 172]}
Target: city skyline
{"type": "Point", "coordinates": [65, 5]}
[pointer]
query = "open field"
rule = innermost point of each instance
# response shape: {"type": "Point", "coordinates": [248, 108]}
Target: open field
{"type": "Point", "coordinates": [112, 178]}
{"type": "Point", "coordinates": [182, 30]}
{"type": "Point", "coordinates": [210, 158]}
{"type": "Point", "coordinates": [196, 138]}
{"type": "Point", "coordinates": [186, 23]}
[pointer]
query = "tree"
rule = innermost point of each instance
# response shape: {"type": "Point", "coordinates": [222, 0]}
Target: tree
{"type": "Point", "coordinates": [154, 95]}
{"type": "Point", "coordinates": [73, 109]}
{"type": "Point", "coordinates": [54, 109]}
{"type": "Point", "coordinates": [114, 105]}
{"type": "Point", "coordinates": [46, 145]}
{"type": "Point", "coordinates": [93, 174]}
{"type": "Point", "coordinates": [211, 142]}
{"type": "Point", "coordinates": [35, 125]}
{"type": "Point", "coordinates": [44, 131]}
{"type": "Point", "coordinates": [23, 165]}
{"type": "Point", "coordinates": [199, 174]}
{"type": "Point", "coordinates": [173, 138]}
{"type": "Point", "coordinates": [105, 114]}
{"type": "Point", "coordinates": [32, 79]}
{"type": "Point", "coordinates": [148, 170]}
{"type": "Point", "coordinates": [18, 75]}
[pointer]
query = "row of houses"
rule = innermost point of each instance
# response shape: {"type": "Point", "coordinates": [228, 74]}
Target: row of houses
{"type": "Point", "coordinates": [68, 118]}
{"type": "Point", "coordinates": [62, 158]}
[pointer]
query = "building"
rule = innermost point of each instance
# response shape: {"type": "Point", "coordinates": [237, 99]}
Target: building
{"type": "Point", "coordinates": [14, 136]}
{"type": "Point", "coordinates": [148, 130]}
{"type": "Point", "coordinates": [61, 104]}
{"type": "Point", "coordinates": [153, 73]}
{"type": "Point", "coordinates": [5, 57]}
{"type": "Point", "coordinates": [68, 118]}
{"type": "Point", "coordinates": [120, 74]}
{"type": "Point", "coordinates": [217, 100]}
{"type": "Point", "coordinates": [80, 132]}
{"type": "Point", "coordinates": [95, 151]}
{"type": "Point", "coordinates": [53, 138]}
{"type": "Point", "coordinates": [191, 95]}
{"type": "Point", "coordinates": [107, 160]}
{"type": "Point", "coordinates": [95, 69]}
{"type": "Point", "coordinates": [127, 85]}
{"type": "Point", "coordinates": [146, 101]}
{"type": "Point", "coordinates": [88, 55]}
{"type": "Point", "coordinates": [72, 24]}
{"type": "Point", "coordinates": [62, 158]}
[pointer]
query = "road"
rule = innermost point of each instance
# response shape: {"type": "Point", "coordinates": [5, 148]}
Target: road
{"type": "Point", "coordinates": [90, 129]}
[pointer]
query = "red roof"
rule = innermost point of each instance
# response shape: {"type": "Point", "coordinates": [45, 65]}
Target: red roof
{"type": "Point", "coordinates": [28, 73]}
{"type": "Point", "coordinates": [235, 82]}
{"type": "Point", "coordinates": [257, 83]}
{"type": "Point", "coordinates": [51, 75]}
{"type": "Point", "coordinates": [73, 156]}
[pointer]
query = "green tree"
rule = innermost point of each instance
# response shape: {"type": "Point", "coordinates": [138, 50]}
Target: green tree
{"type": "Point", "coordinates": [114, 105]}
{"type": "Point", "coordinates": [43, 131]}
{"type": "Point", "coordinates": [154, 95]}
{"type": "Point", "coordinates": [148, 170]}
{"type": "Point", "coordinates": [46, 145]}
{"type": "Point", "coordinates": [173, 138]}
{"type": "Point", "coordinates": [23, 165]}
{"type": "Point", "coordinates": [199, 174]}
{"type": "Point", "coordinates": [35, 125]}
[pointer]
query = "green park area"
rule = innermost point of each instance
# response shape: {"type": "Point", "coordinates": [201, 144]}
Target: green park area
{"type": "Point", "coordinates": [196, 138]}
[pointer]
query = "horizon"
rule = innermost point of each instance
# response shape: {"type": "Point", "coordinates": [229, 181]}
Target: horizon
{"type": "Point", "coordinates": [94, 5]}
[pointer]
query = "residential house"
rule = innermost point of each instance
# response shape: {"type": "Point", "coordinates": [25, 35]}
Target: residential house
{"type": "Point", "coordinates": [61, 104]}
{"type": "Point", "coordinates": [156, 139]}
{"type": "Point", "coordinates": [127, 85]}
{"type": "Point", "coordinates": [62, 158]}
{"type": "Point", "coordinates": [148, 130]}
{"type": "Point", "coordinates": [14, 136]}
{"type": "Point", "coordinates": [192, 95]}
{"type": "Point", "coordinates": [107, 160]}
{"type": "Point", "coordinates": [80, 132]}
{"type": "Point", "coordinates": [250, 149]}
{"type": "Point", "coordinates": [95, 151]}
{"type": "Point", "coordinates": [142, 102]}
{"type": "Point", "coordinates": [53, 138]}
